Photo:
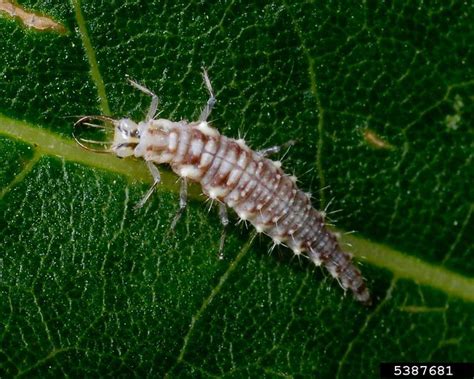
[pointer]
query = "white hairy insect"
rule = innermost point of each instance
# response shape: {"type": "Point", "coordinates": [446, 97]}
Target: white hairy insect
{"type": "Point", "coordinates": [235, 176]}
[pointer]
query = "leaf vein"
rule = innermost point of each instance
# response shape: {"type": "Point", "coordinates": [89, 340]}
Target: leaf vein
{"type": "Point", "coordinates": [91, 57]}
{"type": "Point", "coordinates": [314, 90]}
{"type": "Point", "coordinates": [21, 175]}
{"type": "Point", "coordinates": [214, 292]}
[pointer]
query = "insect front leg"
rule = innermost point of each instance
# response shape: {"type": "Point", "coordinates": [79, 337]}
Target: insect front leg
{"type": "Point", "coordinates": [154, 99]}
{"type": "Point", "coordinates": [224, 221]}
{"type": "Point", "coordinates": [183, 198]}
{"type": "Point", "coordinates": [211, 101]}
{"type": "Point", "coordinates": [156, 180]}
{"type": "Point", "coordinates": [275, 149]}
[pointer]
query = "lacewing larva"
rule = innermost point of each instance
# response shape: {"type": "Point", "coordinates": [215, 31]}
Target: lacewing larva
{"type": "Point", "coordinates": [234, 175]}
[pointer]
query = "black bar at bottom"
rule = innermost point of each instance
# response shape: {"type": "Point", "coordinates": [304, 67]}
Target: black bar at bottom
{"type": "Point", "coordinates": [426, 370]}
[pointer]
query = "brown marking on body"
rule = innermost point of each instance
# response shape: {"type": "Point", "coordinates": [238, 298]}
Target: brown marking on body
{"type": "Point", "coordinates": [154, 131]}
{"type": "Point", "coordinates": [155, 149]}
{"type": "Point", "coordinates": [221, 179]}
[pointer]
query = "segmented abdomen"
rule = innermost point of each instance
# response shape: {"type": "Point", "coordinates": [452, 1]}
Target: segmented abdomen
{"type": "Point", "coordinates": [260, 192]}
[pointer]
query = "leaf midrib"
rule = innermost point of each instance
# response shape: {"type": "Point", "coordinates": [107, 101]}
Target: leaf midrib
{"type": "Point", "coordinates": [401, 264]}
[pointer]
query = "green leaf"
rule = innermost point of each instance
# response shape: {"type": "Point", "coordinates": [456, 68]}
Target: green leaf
{"type": "Point", "coordinates": [379, 98]}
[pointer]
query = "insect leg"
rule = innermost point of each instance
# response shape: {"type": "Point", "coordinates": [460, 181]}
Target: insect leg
{"type": "Point", "coordinates": [211, 101]}
{"type": "Point", "coordinates": [224, 221]}
{"type": "Point", "coordinates": [154, 99]}
{"type": "Point", "coordinates": [156, 180]}
{"type": "Point", "coordinates": [183, 198]}
{"type": "Point", "coordinates": [275, 149]}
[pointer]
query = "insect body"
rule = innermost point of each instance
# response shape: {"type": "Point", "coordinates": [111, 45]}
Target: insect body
{"type": "Point", "coordinates": [237, 177]}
